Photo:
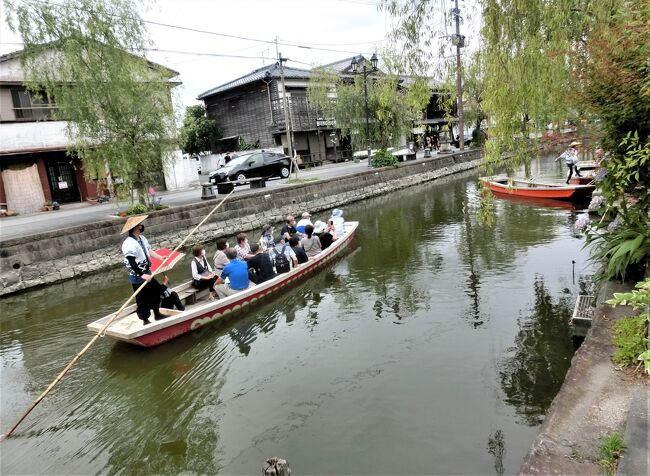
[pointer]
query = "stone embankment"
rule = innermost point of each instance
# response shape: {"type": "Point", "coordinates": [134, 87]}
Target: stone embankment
{"type": "Point", "coordinates": [596, 399]}
{"type": "Point", "coordinates": [45, 258]}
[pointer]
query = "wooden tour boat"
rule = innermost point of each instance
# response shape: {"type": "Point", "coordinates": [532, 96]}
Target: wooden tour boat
{"type": "Point", "coordinates": [534, 189]}
{"type": "Point", "coordinates": [200, 311]}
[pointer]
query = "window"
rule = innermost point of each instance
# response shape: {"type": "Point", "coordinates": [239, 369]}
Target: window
{"type": "Point", "coordinates": [31, 107]}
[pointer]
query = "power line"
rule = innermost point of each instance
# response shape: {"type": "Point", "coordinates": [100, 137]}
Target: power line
{"type": "Point", "coordinates": [258, 40]}
{"type": "Point", "coordinates": [302, 45]}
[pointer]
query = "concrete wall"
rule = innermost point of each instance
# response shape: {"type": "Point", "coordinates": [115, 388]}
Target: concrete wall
{"type": "Point", "coordinates": [50, 257]}
{"type": "Point", "coordinates": [181, 173]}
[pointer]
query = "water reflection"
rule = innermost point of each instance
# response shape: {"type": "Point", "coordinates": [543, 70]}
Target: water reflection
{"type": "Point", "coordinates": [532, 375]}
{"type": "Point", "coordinates": [497, 448]}
{"type": "Point", "coordinates": [321, 374]}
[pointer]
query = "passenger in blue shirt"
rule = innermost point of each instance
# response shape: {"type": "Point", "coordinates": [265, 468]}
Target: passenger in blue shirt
{"type": "Point", "coordinates": [237, 273]}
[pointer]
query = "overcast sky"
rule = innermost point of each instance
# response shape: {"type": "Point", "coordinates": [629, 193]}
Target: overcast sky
{"type": "Point", "coordinates": [350, 26]}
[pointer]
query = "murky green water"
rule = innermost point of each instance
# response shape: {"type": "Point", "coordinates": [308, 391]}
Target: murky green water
{"type": "Point", "coordinates": [434, 346]}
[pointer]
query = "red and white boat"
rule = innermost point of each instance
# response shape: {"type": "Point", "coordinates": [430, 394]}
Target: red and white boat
{"type": "Point", "coordinates": [534, 189]}
{"type": "Point", "coordinates": [200, 311]}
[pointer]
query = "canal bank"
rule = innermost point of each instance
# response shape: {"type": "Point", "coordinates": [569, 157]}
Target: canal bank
{"type": "Point", "coordinates": [45, 258]}
{"type": "Point", "coordinates": [596, 399]}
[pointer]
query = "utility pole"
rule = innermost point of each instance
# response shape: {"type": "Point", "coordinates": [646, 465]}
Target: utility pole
{"type": "Point", "coordinates": [459, 41]}
{"type": "Point", "coordinates": [285, 103]}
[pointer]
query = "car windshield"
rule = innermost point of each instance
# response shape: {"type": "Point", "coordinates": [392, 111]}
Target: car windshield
{"type": "Point", "coordinates": [239, 160]}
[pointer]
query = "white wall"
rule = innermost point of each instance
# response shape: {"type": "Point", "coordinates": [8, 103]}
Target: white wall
{"type": "Point", "coordinates": [181, 173]}
{"type": "Point", "coordinates": [20, 136]}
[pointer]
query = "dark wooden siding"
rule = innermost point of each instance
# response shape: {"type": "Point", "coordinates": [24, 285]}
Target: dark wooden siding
{"type": "Point", "coordinates": [245, 112]}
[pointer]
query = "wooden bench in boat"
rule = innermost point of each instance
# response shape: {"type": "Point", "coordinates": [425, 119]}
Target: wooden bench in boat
{"type": "Point", "coordinates": [191, 295]}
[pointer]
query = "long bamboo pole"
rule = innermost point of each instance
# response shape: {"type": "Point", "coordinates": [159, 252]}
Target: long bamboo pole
{"type": "Point", "coordinates": [103, 329]}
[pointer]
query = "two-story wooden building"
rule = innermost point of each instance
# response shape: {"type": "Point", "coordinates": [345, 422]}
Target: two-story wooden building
{"type": "Point", "coordinates": [251, 108]}
{"type": "Point", "coordinates": [35, 166]}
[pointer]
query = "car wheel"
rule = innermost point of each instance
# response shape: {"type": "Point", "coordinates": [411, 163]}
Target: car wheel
{"type": "Point", "coordinates": [284, 171]}
{"type": "Point", "coordinates": [240, 178]}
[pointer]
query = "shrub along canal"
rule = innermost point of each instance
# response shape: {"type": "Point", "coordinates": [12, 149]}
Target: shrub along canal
{"type": "Point", "coordinates": [435, 345]}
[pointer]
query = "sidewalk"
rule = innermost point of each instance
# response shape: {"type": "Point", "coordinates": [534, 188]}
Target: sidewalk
{"type": "Point", "coordinates": [74, 214]}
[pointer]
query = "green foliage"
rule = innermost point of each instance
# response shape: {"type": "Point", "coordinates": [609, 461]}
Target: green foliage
{"type": "Point", "coordinates": [242, 145]}
{"type": "Point", "coordinates": [625, 187]}
{"type": "Point", "coordinates": [119, 108]}
{"type": "Point", "coordinates": [629, 338]}
{"type": "Point", "coordinates": [610, 449]}
{"type": "Point", "coordinates": [612, 72]}
{"type": "Point", "coordinates": [383, 158]}
{"type": "Point", "coordinates": [137, 209]}
{"type": "Point", "coordinates": [620, 249]}
{"type": "Point", "coordinates": [198, 132]}
{"type": "Point", "coordinates": [633, 345]}
{"type": "Point", "coordinates": [392, 108]}
{"type": "Point", "coordinates": [639, 298]}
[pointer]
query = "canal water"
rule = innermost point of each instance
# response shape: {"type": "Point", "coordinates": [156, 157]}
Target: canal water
{"type": "Point", "coordinates": [434, 346]}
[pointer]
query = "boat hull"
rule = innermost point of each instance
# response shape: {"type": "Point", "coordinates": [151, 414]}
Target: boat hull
{"type": "Point", "coordinates": [159, 332]}
{"type": "Point", "coordinates": [529, 189]}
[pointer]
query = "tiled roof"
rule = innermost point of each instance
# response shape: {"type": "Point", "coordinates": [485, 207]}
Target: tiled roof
{"type": "Point", "coordinates": [258, 75]}
{"type": "Point", "coordinates": [433, 83]}
{"type": "Point", "coordinates": [344, 66]}
{"type": "Point", "coordinates": [16, 54]}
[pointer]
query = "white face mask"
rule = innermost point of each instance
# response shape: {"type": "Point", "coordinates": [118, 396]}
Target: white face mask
{"type": "Point", "coordinates": [202, 252]}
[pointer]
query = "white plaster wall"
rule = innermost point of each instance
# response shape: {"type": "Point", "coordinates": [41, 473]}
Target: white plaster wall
{"type": "Point", "coordinates": [19, 136]}
{"type": "Point", "coordinates": [181, 173]}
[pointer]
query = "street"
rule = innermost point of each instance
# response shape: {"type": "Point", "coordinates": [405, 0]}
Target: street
{"type": "Point", "coordinates": [74, 214]}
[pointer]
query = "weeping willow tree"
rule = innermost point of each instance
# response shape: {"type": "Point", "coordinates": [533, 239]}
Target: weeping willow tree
{"type": "Point", "coordinates": [87, 58]}
{"type": "Point", "coordinates": [552, 60]}
{"type": "Point", "coordinates": [392, 104]}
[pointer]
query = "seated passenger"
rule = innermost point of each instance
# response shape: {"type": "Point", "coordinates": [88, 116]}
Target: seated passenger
{"type": "Point", "coordinates": [310, 243]}
{"type": "Point", "coordinates": [304, 221]}
{"type": "Point", "coordinates": [282, 249]}
{"type": "Point", "coordinates": [242, 247]}
{"type": "Point", "coordinates": [266, 240]}
{"type": "Point", "coordinates": [337, 221]}
{"type": "Point", "coordinates": [202, 275]}
{"type": "Point", "coordinates": [321, 230]}
{"type": "Point", "coordinates": [298, 250]}
{"type": "Point", "coordinates": [289, 228]}
{"type": "Point", "coordinates": [170, 299]}
{"type": "Point", "coordinates": [260, 266]}
{"type": "Point", "coordinates": [220, 259]}
{"type": "Point", "coordinates": [237, 273]}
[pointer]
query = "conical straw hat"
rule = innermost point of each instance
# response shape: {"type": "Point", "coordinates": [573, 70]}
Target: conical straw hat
{"type": "Point", "coordinates": [132, 222]}
{"type": "Point", "coordinates": [574, 143]}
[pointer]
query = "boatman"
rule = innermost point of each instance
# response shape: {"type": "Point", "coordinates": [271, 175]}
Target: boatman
{"type": "Point", "coordinates": [137, 258]}
{"type": "Point", "coordinates": [570, 157]}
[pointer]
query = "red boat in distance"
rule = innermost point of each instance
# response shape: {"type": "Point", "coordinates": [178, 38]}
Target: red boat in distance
{"type": "Point", "coordinates": [535, 189]}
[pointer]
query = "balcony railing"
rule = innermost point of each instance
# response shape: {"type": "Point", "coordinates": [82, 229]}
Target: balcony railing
{"type": "Point", "coordinates": [303, 117]}
{"type": "Point", "coordinates": [34, 113]}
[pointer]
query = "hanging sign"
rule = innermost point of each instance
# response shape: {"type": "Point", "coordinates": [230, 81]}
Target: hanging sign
{"type": "Point", "coordinates": [63, 185]}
